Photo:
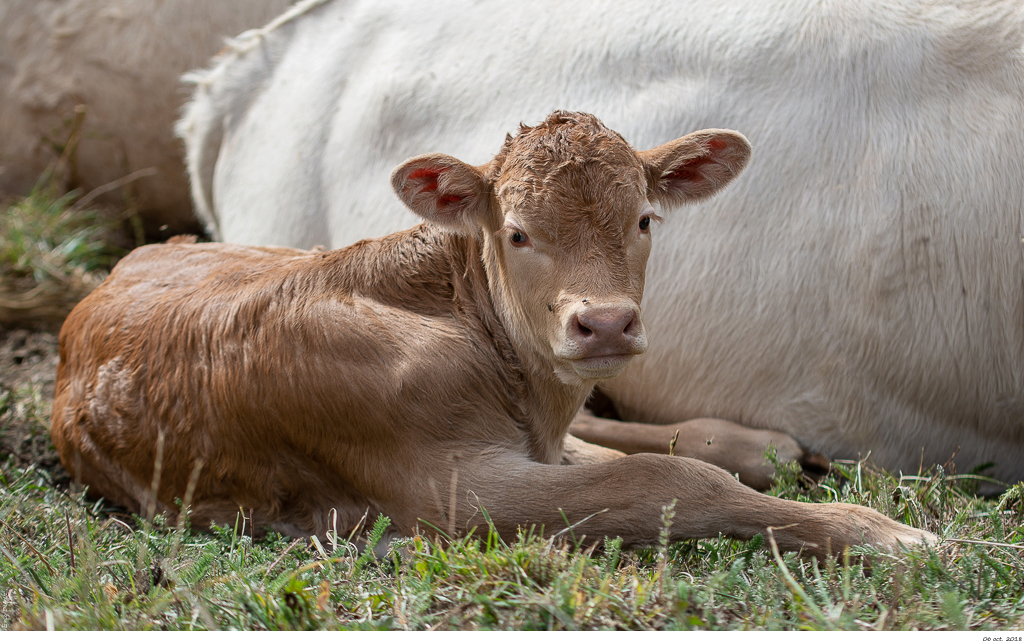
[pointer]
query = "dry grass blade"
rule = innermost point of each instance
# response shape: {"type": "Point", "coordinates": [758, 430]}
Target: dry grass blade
{"type": "Point", "coordinates": [47, 301]}
{"type": "Point", "coordinates": [71, 541]}
{"type": "Point", "coordinates": [1016, 546]}
{"type": "Point", "coordinates": [109, 187]}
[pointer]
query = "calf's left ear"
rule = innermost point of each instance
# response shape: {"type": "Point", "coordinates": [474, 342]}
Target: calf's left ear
{"type": "Point", "coordinates": [695, 166]}
{"type": "Point", "coordinates": [443, 190]}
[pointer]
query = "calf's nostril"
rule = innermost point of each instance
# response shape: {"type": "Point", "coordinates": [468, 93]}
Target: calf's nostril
{"type": "Point", "coordinates": [580, 328]}
{"type": "Point", "coordinates": [630, 328]}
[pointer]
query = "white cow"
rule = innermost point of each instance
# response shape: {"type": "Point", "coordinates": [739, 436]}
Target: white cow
{"type": "Point", "coordinates": [861, 288]}
{"type": "Point", "coordinates": [121, 60]}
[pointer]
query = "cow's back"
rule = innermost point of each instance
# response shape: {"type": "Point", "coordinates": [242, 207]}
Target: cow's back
{"type": "Point", "coordinates": [120, 60]}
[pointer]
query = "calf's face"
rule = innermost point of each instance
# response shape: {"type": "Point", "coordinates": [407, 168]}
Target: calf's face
{"type": "Point", "coordinates": [565, 218]}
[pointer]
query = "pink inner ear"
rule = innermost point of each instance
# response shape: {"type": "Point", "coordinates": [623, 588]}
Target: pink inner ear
{"type": "Point", "coordinates": [690, 171]}
{"type": "Point", "coordinates": [428, 178]}
{"type": "Point", "coordinates": [715, 144]}
{"type": "Point", "coordinates": [447, 200]}
{"type": "Point", "coordinates": [430, 175]}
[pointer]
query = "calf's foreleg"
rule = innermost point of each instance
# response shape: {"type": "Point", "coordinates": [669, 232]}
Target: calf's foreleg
{"type": "Point", "coordinates": [625, 497]}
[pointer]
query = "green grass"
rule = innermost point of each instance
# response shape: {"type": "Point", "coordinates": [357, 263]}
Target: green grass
{"type": "Point", "coordinates": [65, 563]}
{"type": "Point", "coordinates": [53, 252]}
{"type": "Point", "coordinates": [45, 236]}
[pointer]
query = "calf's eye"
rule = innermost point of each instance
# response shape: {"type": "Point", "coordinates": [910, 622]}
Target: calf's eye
{"type": "Point", "coordinates": [518, 238]}
{"type": "Point", "coordinates": [645, 223]}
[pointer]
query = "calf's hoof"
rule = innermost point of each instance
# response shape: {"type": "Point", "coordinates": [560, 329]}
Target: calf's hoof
{"type": "Point", "coordinates": [839, 526]}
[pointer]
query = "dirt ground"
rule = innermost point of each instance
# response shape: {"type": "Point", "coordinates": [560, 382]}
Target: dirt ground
{"type": "Point", "coordinates": [28, 369]}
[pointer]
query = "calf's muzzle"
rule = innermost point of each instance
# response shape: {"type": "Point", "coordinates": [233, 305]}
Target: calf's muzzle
{"type": "Point", "coordinates": [601, 339]}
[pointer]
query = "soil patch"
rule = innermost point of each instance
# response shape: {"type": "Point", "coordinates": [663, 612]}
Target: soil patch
{"type": "Point", "coordinates": [28, 369]}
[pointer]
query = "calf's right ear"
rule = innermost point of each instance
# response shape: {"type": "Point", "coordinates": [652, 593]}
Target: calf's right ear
{"type": "Point", "coordinates": [443, 190]}
{"type": "Point", "coordinates": [695, 166]}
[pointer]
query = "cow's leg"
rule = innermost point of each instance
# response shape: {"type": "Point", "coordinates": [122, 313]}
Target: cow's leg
{"type": "Point", "coordinates": [625, 497]}
{"type": "Point", "coordinates": [578, 452]}
{"type": "Point", "coordinates": [732, 447]}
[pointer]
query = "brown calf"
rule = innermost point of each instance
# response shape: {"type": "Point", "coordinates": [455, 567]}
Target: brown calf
{"type": "Point", "coordinates": [430, 375]}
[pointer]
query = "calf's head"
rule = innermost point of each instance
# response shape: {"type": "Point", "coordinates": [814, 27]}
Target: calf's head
{"type": "Point", "coordinates": [564, 217]}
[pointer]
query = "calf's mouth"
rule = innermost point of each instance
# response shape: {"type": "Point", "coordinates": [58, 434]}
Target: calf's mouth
{"type": "Point", "coordinates": [601, 367]}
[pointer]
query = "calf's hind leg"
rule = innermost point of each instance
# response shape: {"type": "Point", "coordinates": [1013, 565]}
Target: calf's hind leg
{"type": "Point", "coordinates": [624, 497]}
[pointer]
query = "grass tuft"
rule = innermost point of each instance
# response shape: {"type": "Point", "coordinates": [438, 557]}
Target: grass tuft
{"type": "Point", "coordinates": [53, 252]}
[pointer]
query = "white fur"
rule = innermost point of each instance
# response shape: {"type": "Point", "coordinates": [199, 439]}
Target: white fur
{"type": "Point", "coordinates": [121, 59]}
{"type": "Point", "coordinates": [860, 287]}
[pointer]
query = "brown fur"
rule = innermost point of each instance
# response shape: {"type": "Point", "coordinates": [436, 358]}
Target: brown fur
{"type": "Point", "coordinates": [430, 375]}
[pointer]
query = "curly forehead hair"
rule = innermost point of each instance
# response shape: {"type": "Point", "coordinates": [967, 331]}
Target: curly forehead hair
{"type": "Point", "coordinates": [562, 139]}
